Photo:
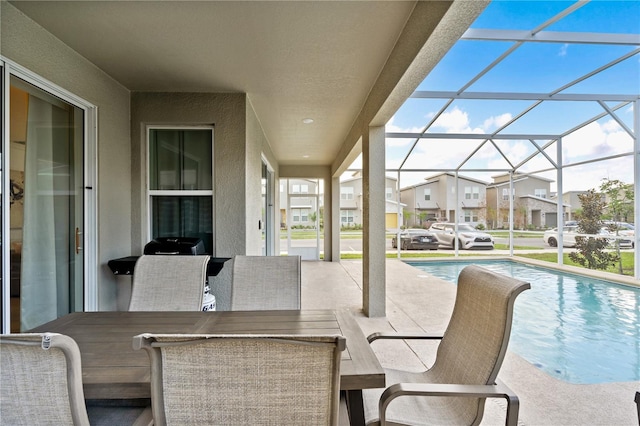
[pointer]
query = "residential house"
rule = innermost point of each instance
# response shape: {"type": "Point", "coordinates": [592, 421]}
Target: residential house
{"type": "Point", "coordinates": [571, 199]}
{"type": "Point", "coordinates": [301, 199]}
{"type": "Point", "coordinates": [351, 202]}
{"type": "Point", "coordinates": [436, 200]}
{"type": "Point", "coordinates": [532, 202]}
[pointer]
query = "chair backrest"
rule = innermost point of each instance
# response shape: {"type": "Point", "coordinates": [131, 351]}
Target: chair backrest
{"type": "Point", "coordinates": [41, 380]}
{"type": "Point", "coordinates": [244, 379]}
{"type": "Point", "coordinates": [265, 282]}
{"type": "Point", "coordinates": [168, 283]}
{"type": "Point", "coordinates": [475, 342]}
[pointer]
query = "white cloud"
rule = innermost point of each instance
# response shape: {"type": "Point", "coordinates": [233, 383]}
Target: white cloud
{"type": "Point", "coordinates": [493, 123]}
{"type": "Point", "coordinates": [563, 50]}
{"type": "Point", "coordinates": [391, 127]}
{"type": "Point", "coordinates": [596, 140]}
{"type": "Point", "coordinates": [456, 121]}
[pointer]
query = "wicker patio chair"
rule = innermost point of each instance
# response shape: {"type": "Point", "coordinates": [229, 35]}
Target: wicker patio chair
{"type": "Point", "coordinates": [469, 356]}
{"type": "Point", "coordinates": [168, 283]}
{"type": "Point", "coordinates": [41, 380]}
{"type": "Point", "coordinates": [243, 379]}
{"type": "Point", "coordinates": [266, 282]}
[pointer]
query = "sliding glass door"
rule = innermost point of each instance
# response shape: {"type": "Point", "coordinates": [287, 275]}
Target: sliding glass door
{"type": "Point", "coordinates": [46, 188]}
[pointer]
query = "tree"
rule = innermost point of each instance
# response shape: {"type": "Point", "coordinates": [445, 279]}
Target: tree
{"type": "Point", "coordinates": [590, 251]}
{"type": "Point", "coordinates": [407, 217]}
{"type": "Point", "coordinates": [619, 199]}
{"type": "Point", "coordinates": [619, 204]}
{"type": "Point", "coordinates": [423, 217]}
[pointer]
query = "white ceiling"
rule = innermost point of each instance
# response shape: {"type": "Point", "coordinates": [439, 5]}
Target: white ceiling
{"type": "Point", "coordinates": [294, 59]}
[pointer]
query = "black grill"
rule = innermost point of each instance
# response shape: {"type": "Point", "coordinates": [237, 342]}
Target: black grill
{"type": "Point", "coordinates": [186, 246]}
{"type": "Point", "coordinates": [175, 245]}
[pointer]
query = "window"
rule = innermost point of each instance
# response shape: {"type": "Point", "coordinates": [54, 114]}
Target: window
{"type": "Point", "coordinates": [181, 183]}
{"type": "Point", "coordinates": [346, 193]}
{"type": "Point", "coordinates": [300, 215]}
{"type": "Point", "coordinates": [347, 217]}
{"type": "Point", "coordinates": [471, 192]}
{"type": "Point", "coordinates": [470, 215]}
{"type": "Point", "coordinates": [389, 193]}
{"type": "Point", "coordinates": [427, 194]}
{"type": "Point", "coordinates": [542, 193]}
{"type": "Point", "coordinates": [505, 193]}
{"type": "Point", "coordinates": [304, 189]}
{"type": "Point", "coordinates": [295, 189]}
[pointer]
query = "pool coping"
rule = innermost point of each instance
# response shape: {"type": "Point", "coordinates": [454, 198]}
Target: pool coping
{"type": "Point", "coordinates": [602, 275]}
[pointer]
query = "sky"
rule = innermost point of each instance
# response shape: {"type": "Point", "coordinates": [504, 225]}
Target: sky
{"type": "Point", "coordinates": [532, 68]}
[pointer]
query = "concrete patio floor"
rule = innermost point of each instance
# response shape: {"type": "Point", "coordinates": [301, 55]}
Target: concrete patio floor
{"type": "Point", "coordinates": [415, 302]}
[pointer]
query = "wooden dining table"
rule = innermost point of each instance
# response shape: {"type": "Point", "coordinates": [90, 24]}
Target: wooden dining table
{"type": "Point", "coordinates": [113, 370]}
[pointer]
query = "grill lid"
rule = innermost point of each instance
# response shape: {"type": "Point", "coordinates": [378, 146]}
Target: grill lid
{"type": "Point", "coordinates": [175, 245]}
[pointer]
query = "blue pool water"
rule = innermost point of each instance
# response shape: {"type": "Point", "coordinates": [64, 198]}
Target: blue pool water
{"type": "Point", "coordinates": [577, 329]}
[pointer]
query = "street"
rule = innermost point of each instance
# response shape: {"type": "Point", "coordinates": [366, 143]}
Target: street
{"type": "Point", "coordinates": [354, 245]}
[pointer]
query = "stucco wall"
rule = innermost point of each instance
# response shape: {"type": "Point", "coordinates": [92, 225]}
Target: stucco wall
{"type": "Point", "coordinates": [257, 144]}
{"type": "Point", "coordinates": [27, 44]}
{"type": "Point", "coordinates": [227, 113]}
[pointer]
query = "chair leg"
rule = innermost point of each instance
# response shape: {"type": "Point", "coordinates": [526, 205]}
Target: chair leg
{"type": "Point", "coordinates": [145, 419]}
{"type": "Point", "coordinates": [355, 407]}
{"type": "Point", "coordinates": [343, 413]}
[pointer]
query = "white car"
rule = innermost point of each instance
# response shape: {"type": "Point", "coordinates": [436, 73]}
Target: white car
{"type": "Point", "coordinates": [625, 230]}
{"type": "Point", "coordinates": [571, 232]}
{"type": "Point", "coordinates": [468, 236]}
{"type": "Point", "coordinates": [568, 236]}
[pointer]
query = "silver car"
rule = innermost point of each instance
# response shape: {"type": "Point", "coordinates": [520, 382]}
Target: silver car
{"type": "Point", "coordinates": [468, 236]}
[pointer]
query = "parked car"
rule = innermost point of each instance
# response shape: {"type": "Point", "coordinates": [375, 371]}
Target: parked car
{"type": "Point", "coordinates": [468, 236]}
{"type": "Point", "coordinates": [624, 230]}
{"type": "Point", "coordinates": [571, 232]}
{"type": "Point", "coordinates": [419, 239]}
{"type": "Point", "coordinates": [568, 236]}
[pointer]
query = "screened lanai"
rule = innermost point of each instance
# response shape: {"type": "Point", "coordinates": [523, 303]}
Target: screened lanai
{"type": "Point", "coordinates": [545, 89]}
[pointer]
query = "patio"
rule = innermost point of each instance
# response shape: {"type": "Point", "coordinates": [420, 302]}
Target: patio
{"type": "Point", "coordinates": [412, 306]}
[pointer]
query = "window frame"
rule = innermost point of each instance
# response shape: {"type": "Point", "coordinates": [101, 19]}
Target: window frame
{"type": "Point", "coordinates": [505, 194]}
{"type": "Point", "coordinates": [177, 192]}
{"type": "Point", "coordinates": [471, 192]}
{"type": "Point", "coordinates": [347, 217]}
{"type": "Point", "coordinates": [347, 195]}
{"type": "Point", "coordinates": [471, 216]}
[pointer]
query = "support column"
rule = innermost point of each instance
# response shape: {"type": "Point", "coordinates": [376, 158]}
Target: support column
{"type": "Point", "coordinates": [329, 224]}
{"type": "Point", "coordinates": [335, 219]}
{"type": "Point", "coordinates": [373, 218]}
{"type": "Point", "coordinates": [560, 206]}
{"type": "Point", "coordinates": [636, 184]}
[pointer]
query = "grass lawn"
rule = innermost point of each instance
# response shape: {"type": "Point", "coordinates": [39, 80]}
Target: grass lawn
{"type": "Point", "coordinates": [498, 246]}
{"type": "Point", "coordinates": [516, 234]}
{"type": "Point", "coordinates": [310, 234]}
{"type": "Point", "coordinates": [625, 256]}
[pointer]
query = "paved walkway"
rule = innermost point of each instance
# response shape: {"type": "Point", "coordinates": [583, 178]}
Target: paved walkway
{"type": "Point", "coordinates": [416, 302]}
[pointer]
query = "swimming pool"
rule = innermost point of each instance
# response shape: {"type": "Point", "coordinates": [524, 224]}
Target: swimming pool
{"type": "Point", "coordinates": [578, 329]}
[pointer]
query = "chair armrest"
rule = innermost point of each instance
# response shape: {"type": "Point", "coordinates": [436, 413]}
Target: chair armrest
{"type": "Point", "coordinates": [499, 390]}
{"type": "Point", "coordinates": [402, 336]}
